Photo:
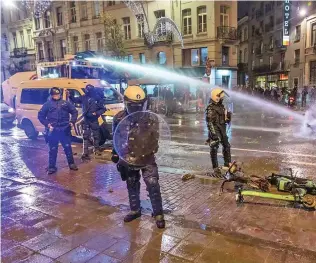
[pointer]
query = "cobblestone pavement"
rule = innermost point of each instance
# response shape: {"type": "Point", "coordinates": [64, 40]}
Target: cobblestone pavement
{"type": "Point", "coordinates": [77, 217]}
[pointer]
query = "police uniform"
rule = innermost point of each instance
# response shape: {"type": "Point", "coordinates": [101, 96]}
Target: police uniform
{"type": "Point", "coordinates": [217, 118]}
{"type": "Point", "coordinates": [92, 109]}
{"type": "Point", "coordinates": [138, 156]}
{"type": "Point", "coordinates": [55, 114]}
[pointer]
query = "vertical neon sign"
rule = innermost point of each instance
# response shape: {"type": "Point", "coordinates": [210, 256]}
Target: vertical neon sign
{"type": "Point", "coordinates": [286, 22]}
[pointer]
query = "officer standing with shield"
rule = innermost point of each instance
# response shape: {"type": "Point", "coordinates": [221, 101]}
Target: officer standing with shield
{"type": "Point", "coordinates": [217, 118]}
{"type": "Point", "coordinates": [136, 152]}
{"type": "Point", "coordinates": [54, 115]}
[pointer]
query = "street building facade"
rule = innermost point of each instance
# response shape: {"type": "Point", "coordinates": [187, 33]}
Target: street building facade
{"type": "Point", "coordinates": [17, 45]}
{"type": "Point", "coordinates": [242, 51]}
{"type": "Point", "coordinates": [271, 62]}
{"type": "Point", "coordinates": [209, 31]}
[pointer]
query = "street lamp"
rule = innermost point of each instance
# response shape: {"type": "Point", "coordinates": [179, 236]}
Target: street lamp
{"type": "Point", "coordinates": [9, 3]}
{"type": "Point", "coordinates": [302, 12]}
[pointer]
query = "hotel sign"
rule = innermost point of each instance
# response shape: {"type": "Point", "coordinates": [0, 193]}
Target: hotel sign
{"type": "Point", "coordinates": [286, 22]}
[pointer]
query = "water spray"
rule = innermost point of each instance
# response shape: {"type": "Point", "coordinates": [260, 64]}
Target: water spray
{"type": "Point", "coordinates": [174, 77]}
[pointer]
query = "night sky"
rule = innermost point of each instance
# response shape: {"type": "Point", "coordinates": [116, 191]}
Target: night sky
{"type": "Point", "coordinates": [242, 8]}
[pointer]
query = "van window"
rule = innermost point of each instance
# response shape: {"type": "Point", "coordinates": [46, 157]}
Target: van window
{"type": "Point", "coordinates": [74, 94]}
{"type": "Point", "coordinates": [34, 96]}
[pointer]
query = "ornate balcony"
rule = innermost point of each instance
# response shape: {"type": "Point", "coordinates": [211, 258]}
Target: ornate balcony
{"type": "Point", "coordinates": [19, 52]}
{"type": "Point", "coordinates": [227, 32]}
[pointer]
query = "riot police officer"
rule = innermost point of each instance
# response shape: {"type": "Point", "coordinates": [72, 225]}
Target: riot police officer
{"type": "Point", "coordinates": [92, 109]}
{"type": "Point", "coordinates": [54, 115]}
{"type": "Point", "coordinates": [143, 134]}
{"type": "Point", "coordinates": [217, 117]}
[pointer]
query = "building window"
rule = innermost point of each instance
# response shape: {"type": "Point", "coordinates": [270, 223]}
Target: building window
{"type": "Point", "coordinates": [113, 29]}
{"type": "Point", "coordinates": [313, 34]}
{"type": "Point", "coordinates": [87, 42]}
{"type": "Point", "coordinates": [312, 73]}
{"type": "Point", "coordinates": [140, 26]}
{"type": "Point", "coordinates": [22, 39]}
{"type": "Point", "coordinates": [298, 33]}
{"type": "Point", "coordinates": [253, 48]}
{"type": "Point", "coordinates": [260, 61]}
{"type": "Point", "coordinates": [96, 8]}
{"type": "Point", "coordinates": [187, 22]}
{"type": "Point", "coordinates": [195, 57]}
{"type": "Point", "coordinates": [40, 51]}
{"type": "Point", "coordinates": [63, 49]}
{"type": "Point", "coordinates": [59, 14]}
{"type": "Point", "coordinates": [204, 55]}
{"type": "Point", "coordinates": [297, 53]}
{"type": "Point", "coordinates": [270, 61]}
{"type": "Point", "coordinates": [18, 14]}
{"type": "Point", "coordinates": [15, 41]}
{"type": "Point", "coordinates": [73, 12]}
{"type": "Point", "coordinates": [202, 25]}
{"type": "Point", "coordinates": [224, 15]}
{"type": "Point", "coordinates": [47, 19]}
{"type": "Point", "coordinates": [111, 3]}
{"type": "Point", "coordinates": [253, 29]}
{"type": "Point", "coordinates": [261, 47]}
{"type": "Point", "coordinates": [30, 38]}
{"type": "Point", "coordinates": [253, 65]}
{"type": "Point", "coordinates": [75, 44]}
{"type": "Point", "coordinates": [99, 41]}
{"type": "Point", "coordinates": [271, 43]}
{"type": "Point", "coordinates": [37, 23]}
{"type": "Point", "coordinates": [127, 28]}
{"type": "Point", "coordinates": [161, 30]}
{"type": "Point", "coordinates": [5, 40]}
{"type": "Point", "coordinates": [245, 35]}
{"type": "Point", "coordinates": [142, 58]}
{"type": "Point", "coordinates": [246, 55]}
{"type": "Point", "coordinates": [161, 58]}
{"type": "Point", "coordinates": [50, 50]}
{"type": "Point", "coordinates": [84, 11]}
{"type": "Point", "coordinates": [225, 56]}
{"type": "Point", "coordinates": [240, 56]}
{"type": "Point", "coordinates": [128, 58]}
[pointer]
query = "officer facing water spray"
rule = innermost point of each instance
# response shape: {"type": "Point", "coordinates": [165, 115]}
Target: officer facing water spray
{"type": "Point", "coordinates": [140, 146]}
{"type": "Point", "coordinates": [217, 118]}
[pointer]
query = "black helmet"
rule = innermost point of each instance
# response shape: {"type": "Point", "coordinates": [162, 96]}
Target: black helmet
{"type": "Point", "coordinates": [89, 88]}
{"type": "Point", "coordinates": [54, 91]}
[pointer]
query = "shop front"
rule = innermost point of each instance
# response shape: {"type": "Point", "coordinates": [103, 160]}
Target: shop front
{"type": "Point", "coordinates": [273, 80]}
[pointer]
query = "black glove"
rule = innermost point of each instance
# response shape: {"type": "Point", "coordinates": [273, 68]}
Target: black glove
{"type": "Point", "coordinates": [115, 158]}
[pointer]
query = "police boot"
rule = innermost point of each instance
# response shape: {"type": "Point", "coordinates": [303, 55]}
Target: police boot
{"type": "Point", "coordinates": [160, 221]}
{"type": "Point", "coordinates": [73, 167]}
{"type": "Point", "coordinates": [85, 157]}
{"type": "Point", "coordinates": [51, 170]}
{"type": "Point", "coordinates": [132, 216]}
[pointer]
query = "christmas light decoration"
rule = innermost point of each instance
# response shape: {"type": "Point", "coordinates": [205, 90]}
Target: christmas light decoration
{"type": "Point", "coordinates": [163, 27]}
{"type": "Point", "coordinates": [37, 7]}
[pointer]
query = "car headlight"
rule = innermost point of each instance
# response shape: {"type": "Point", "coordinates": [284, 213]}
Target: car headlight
{"type": "Point", "coordinates": [11, 110]}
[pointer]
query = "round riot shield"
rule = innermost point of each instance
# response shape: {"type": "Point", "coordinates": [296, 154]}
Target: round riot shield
{"type": "Point", "coordinates": [141, 138]}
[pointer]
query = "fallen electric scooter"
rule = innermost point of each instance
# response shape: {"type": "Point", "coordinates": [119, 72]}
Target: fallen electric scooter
{"type": "Point", "coordinates": [277, 187]}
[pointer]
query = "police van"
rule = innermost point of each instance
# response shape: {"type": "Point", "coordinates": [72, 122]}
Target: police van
{"type": "Point", "coordinates": [32, 94]}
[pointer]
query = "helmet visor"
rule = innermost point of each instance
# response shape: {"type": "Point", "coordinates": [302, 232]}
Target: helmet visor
{"type": "Point", "coordinates": [134, 107]}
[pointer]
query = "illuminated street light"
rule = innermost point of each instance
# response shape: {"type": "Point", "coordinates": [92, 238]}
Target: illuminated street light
{"type": "Point", "coordinates": [9, 3]}
{"type": "Point", "coordinates": [302, 12]}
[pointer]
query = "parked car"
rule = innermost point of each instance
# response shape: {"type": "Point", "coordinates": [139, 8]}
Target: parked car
{"type": "Point", "coordinates": [7, 114]}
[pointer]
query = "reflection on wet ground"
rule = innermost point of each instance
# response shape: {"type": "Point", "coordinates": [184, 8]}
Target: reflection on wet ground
{"type": "Point", "coordinates": [77, 216]}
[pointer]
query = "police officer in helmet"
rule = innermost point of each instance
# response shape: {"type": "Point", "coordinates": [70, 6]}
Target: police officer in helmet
{"type": "Point", "coordinates": [217, 117]}
{"type": "Point", "coordinates": [142, 145]}
{"type": "Point", "coordinates": [54, 115]}
{"type": "Point", "coordinates": [92, 109]}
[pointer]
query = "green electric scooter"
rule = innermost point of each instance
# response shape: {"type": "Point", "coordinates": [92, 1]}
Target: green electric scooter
{"type": "Point", "coordinates": [288, 188]}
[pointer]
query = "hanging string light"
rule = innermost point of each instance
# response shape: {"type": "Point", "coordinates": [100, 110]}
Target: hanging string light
{"type": "Point", "coordinates": [37, 7]}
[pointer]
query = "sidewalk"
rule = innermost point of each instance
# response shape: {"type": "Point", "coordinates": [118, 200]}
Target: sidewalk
{"type": "Point", "coordinates": [77, 217]}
